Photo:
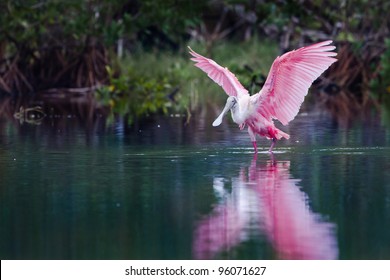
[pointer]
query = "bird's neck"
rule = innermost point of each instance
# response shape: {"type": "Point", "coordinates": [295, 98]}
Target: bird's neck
{"type": "Point", "coordinates": [237, 114]}
{"type": "Point", "coordinates": [241, 111]}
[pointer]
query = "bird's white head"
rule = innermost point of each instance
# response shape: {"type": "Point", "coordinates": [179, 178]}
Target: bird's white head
{"type": "Point", "coordinates": [231, 103]}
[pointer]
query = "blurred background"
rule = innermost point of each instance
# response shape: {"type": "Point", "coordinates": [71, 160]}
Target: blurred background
{"type": "Point", "coordinates": [107, 149]}
{"type": "Point", "coordinates": [129, 58]}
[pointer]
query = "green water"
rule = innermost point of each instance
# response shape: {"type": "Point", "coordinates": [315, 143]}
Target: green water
{"type": "Point", "coordinates": [164, 190]}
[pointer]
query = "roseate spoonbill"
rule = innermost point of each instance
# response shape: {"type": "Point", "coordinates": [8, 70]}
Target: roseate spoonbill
{"type": "Point", "coordinates": [286, 86]}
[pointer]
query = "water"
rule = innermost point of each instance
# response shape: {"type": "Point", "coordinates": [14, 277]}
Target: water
{"type": "Point", "coordinates": [80, 189]}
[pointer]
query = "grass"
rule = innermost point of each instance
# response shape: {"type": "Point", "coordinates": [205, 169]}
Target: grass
{"type": "Point", "coordinates": [180, 70]}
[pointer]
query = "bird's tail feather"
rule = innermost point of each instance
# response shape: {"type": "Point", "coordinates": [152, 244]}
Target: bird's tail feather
{"type": "Point", "coordinates": [280, 134]}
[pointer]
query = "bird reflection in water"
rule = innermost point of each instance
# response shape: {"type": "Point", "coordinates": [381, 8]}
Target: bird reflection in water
{"type": "Point", "coordinates": [265, 201]}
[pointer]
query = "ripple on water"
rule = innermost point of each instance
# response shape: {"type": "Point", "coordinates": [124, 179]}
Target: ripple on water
{"type": "Point", "coordinates": [352, 150]}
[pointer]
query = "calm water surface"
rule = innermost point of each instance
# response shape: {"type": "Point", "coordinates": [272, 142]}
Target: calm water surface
{"type": "Point", "coordinates": [164, 190]}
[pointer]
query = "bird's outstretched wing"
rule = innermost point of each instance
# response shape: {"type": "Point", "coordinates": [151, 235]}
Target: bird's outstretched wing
{"type": "Point", "coordinates": [222, 76]}
{"type": "Point", "coordinates": [289, 80]}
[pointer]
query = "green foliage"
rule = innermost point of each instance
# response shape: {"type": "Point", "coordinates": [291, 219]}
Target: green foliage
{"type": "Point", "coordinates": [381, 84]}
{"type": "Point", "coordinates": [28, 23]}
{"type": "Point", "coordinates": [133, 95]}
{"type": "Point", "coordinates": [385, 70]}
{"type": "Point", "coordinates": [64, 40]}
{"type": "Point", "coordinates": [172, 16]}
{"type": "Point", "coordinates": [164, 82]}
{"type": "Point", "coordinates": [33, 24]}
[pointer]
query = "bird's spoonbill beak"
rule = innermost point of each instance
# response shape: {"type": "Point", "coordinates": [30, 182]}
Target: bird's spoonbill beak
{"type": "Point", "coordinates": [218, 120]}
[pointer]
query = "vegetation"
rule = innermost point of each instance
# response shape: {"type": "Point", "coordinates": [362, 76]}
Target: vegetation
{"type": "Point", "coordinates": [381, 86]}
{"type": "Point", "coordinates": [381, 83]}
{"type": "Point", "coordinates": [133, 53]}
{"type": "Point", "coordinates": [46, 44]}
{"type": "Point", "coordinates": [173, 84]}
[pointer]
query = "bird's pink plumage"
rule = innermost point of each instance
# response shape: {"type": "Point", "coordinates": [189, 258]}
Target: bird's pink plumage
{"type": "Point", "coordinates": [287, 84]}
{"type": "Point", "coordinates": [222, 76]}
{"type": "Point", "coordinates": [289, 80]}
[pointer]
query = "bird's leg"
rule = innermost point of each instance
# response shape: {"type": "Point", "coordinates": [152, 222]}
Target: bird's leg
{"type": "Point", "coordinates": [272, 145]}
{"type": "Point", "coordinates": [252, 135]}
{"type": "Point", "coordinates": [255, 146]}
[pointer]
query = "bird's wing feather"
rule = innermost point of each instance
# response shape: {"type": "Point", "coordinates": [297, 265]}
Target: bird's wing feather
{"type": "Point", "coordinates": [289, 80]}
{"type": "Point", "coordinates": [222, 76]}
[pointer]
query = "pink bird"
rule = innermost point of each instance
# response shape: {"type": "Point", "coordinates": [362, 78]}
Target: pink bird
{"type": "Point", "coordinates": [286, 86]}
